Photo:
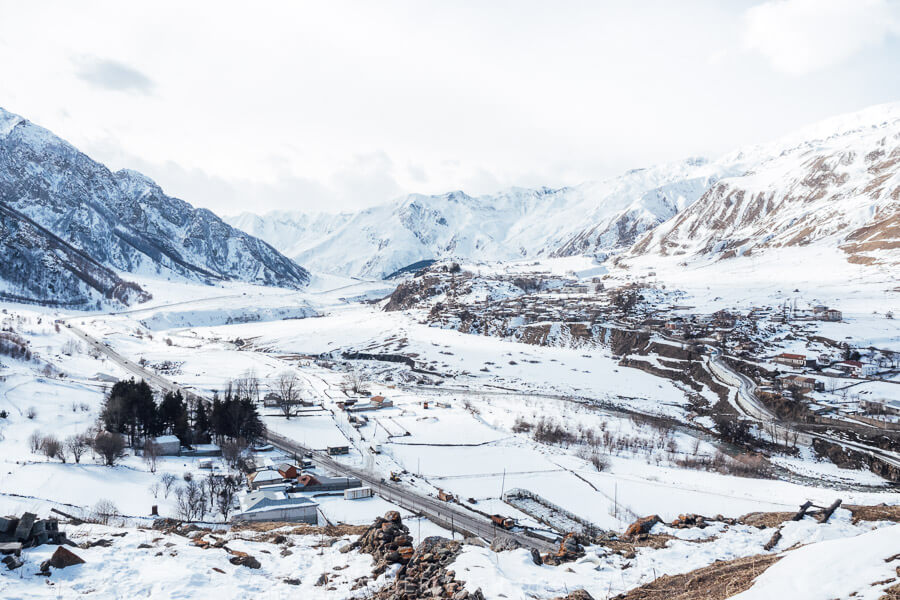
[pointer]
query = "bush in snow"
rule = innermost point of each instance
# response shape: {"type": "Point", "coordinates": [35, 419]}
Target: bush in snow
{"type": "Point", "coordinates": [53, 448]}
{"type": "Point", "coordinates": [109, 447]}
{"type": "Point", "coordinates": [103, 512]}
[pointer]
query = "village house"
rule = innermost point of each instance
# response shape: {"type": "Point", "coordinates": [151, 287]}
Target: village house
{"type": "Point", "coordinates": [374, 403]}
{"type": "Point", "coordinates": [823, 313]}
{"type": "Point", "coordinates": [276, 506]}
{"type": "Point", "coordinates": [288, 471]}
{"type": "Point", "coordinates": [808, 384]}
{"type": "Point", "coordinates": [263, 477]}
{"type": "Point", "coordinates": [856, 368]}
{"type": "Point", "coordinates": [791, 360]}
{"type": "Point", "coordinates": [882, 406]}
{"type": "Point", "coordinates": [320, 483]}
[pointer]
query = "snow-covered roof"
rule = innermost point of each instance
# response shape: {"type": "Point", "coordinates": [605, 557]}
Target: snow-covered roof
{"type": "Point", "coordinates": [167, 439]}
{"type": "Point", "coordinates": [265, 475]}
{"type": "Point", "coordinates": [265, 500]}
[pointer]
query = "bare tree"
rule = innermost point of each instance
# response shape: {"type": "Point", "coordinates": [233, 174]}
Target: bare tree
{"type": "Point", "coordinates": [104, 511]}
{"type": "Point", "coordinates": [232, 451]}
{"type": "Point", "coordinates": [353, 382]}
{"type": "Point", "coordinates": [225, 499]}
{"type": "Point", "coordinates": [77, 445]}
{"type": "Point", "coordinates": [253, 384]}
{"type": "Point", "coordinates": [154, 489]}
{"type": "Point", "coordinates": [71, 347]}
{"type": "Point", "coordinates": [110, 447]}
{"type": "Point", "coordinates": [52, 448]}
{"type": "Point", "coordinates": [288, 390]}
{"type": "Point", "coordinates": [34, 441]}
{"type": "Point", "coordinates": [151, 453]}
{"type": "Point", "coordinates": [167, 480]}
{"type": "Point", "coordinates": [189, 500]}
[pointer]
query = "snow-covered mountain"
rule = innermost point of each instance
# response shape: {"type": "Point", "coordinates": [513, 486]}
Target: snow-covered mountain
{"type": "Point", "coordinates": [123, 220]}
{"type": "Point", "coordinates": [39, 267]}
{"type": "Point", "coordinates": [836, 184]}
{"type": "Point", "coordinates": [590, 218]}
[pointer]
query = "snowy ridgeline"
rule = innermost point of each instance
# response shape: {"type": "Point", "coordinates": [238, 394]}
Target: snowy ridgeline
{"type": "Point", "coordinates": [824, 183]}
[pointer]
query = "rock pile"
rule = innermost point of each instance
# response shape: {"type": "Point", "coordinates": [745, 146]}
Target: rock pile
{"type": "Point", "coordinates": [687, 521]}
{"type": "Point", "coordinates": [388, 540]}
{"type": "Point", "coordinates": [569, 549]}
{"type": "Point", "coordinates": [28, 531]}
{"type": "Point", "coordinates": [423, 572]}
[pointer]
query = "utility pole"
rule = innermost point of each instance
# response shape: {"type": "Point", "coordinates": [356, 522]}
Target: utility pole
{"type": "Point", "coordinates": [503, 484]}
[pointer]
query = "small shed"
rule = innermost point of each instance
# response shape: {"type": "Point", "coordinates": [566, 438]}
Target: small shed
{"type": "Point", "coordinates": [288, 471]}
{"type": "Point", "coordinates": [167, 445]}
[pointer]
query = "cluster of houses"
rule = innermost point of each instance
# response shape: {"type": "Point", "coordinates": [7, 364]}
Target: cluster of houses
{"type": "Point", "coordinates": [842, 368]}
{"type": "Point", "coordinates": [277, 493]}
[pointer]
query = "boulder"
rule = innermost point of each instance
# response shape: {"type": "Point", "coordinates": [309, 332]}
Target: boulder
{"type": "Point", "coordinates": [62, 558]}
{"type": "Point", "coordinates": [245, 561]}
{"type": "Point", "coordinates": [23, 529]}
{"type": "Point", "coordinates": [504, 543]}
{"type": "Point", "coordinates": [577, 595]}
{"type": "Point", "coordinates": [12, 562]}
{"type": "Point", "coordinates": [642, 525]}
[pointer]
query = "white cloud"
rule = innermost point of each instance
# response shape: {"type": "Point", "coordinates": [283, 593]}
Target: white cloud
{"type": "Point", "coordinates": [112, 75]}
{"type": "Point", "coordinates": [341, 105]}
{"type": "Point", "coordinates": [803, 36]}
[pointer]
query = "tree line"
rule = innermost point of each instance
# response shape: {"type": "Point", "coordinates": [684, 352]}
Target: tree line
{"type": "Point", "coordinates": [131, 410]}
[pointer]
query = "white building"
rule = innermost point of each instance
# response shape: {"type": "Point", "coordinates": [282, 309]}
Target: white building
{"type": "Point", "coordinates": [276, 506]}
{"type": "Point", "coordinates": [167, 445]}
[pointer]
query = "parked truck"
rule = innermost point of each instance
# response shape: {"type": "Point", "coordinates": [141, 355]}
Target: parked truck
{"type": "Point", "coordinates": [504, 522]}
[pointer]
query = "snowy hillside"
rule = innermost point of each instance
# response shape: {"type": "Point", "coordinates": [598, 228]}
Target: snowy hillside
{"type": "Point", "coordinates": [38, 267]}
{"type": "Point", "coordinates": [124, 220]}
{"type": "Point", "coordinates": [836, 185]}
{"type": "Point", "coordinates": [590, 218]}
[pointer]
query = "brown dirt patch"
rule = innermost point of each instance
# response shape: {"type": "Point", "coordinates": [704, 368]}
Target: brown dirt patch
{"type": "Point", "coordinates": [765, 519]}
{"type": "Point", "coordinates": [880, 512]}
{"type": "Point", "coordinates": [718, 581]}
{"type": "Point", "coordinates": [874, 513]}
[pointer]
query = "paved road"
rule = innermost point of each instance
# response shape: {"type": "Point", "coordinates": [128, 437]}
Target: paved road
{"type": "Point", "coordinates": [747, 404]}
{"type": "Point", "coordinates": [448, 515]}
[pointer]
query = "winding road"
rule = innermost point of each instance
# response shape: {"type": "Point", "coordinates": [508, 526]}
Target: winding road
{"type": "Point", "coordinates": [749, 405]}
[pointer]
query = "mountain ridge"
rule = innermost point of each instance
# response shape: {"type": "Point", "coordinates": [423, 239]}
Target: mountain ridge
{"type": "Point", "coordinates": [123, 219]}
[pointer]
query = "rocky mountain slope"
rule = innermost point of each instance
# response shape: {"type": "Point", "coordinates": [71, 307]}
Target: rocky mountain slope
{"type": "Point", "coordinates": [38, 267]}
{"type": "Point", "coordinates": [836, 185]}
{"type": "Point", "coordinates": [591, 218]}
{"type": "Point", "coordinates": [123, 220]}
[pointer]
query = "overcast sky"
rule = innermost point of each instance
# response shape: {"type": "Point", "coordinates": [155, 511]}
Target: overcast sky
{"type": "Point", "coordinates": [338, 105]}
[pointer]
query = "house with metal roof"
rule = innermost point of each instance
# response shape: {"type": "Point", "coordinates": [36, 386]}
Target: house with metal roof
{"type": "Point", "coordinates": [276, 506]}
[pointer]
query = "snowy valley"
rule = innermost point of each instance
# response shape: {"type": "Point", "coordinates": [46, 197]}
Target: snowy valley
{"type": "Point", "coordinates": [681, 382]}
